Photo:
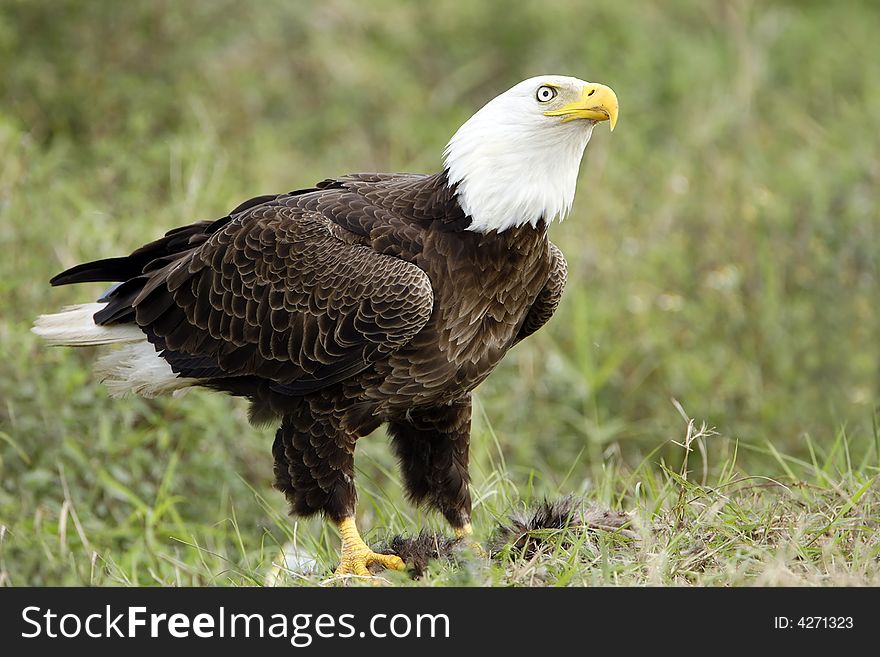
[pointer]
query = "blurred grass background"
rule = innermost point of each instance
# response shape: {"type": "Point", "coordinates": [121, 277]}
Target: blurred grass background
{"type": "Point", "coordinates": [723, 248]}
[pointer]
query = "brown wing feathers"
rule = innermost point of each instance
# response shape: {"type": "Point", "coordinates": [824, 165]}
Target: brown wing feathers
{"type": "Point", "coordinates": [280, 292]}
{"type": "Point", "coordinates": [125, 268]}
{"type": "Point", "coordinates": [548, 298]}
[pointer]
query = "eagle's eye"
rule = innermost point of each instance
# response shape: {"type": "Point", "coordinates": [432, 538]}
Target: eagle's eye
{"type": "Point", "coordinates": [545, 94]}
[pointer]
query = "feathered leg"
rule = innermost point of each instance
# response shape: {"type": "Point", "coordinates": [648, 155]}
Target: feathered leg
{"type": "Point", "coordinates": [314, 468]}
{"type": "Point", "coordinates": [432, 447]}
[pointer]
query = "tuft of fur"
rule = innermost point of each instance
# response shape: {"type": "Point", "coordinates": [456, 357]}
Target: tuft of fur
{"type": "Point", "coordinates": [418, 551]}
{"type": "Point", "coordinates": [75, 326]}
{"type": "Point", "coordinates": [529, 531]}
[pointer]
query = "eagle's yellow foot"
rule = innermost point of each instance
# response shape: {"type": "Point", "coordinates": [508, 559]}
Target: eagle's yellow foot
{"type": "Point", "coordinates": [357, 557]}
{"type": "Point", "coordinates": [359, 562]}
{"type": "Point", "coordinates": [464, 534]}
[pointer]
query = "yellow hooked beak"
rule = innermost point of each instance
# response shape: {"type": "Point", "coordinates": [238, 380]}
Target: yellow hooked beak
{"type": "Point", "coordinates": [597, 102]}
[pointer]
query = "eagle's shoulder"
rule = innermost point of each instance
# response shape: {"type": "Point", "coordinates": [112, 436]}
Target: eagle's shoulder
{"type": "Point", "coordinates": [426, 200]}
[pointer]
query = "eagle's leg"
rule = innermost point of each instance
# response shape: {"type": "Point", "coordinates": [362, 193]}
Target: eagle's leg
{"type": "Point", "coordinates": [432, 447]}
{"type": "Point", "coordinates": [314, 468]}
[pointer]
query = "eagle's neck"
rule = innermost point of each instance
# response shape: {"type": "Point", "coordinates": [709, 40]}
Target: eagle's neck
{"type": "Point", "coordinates": [507, 175]}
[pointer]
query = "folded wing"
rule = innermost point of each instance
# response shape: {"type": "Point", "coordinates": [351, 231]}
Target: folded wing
{"type": "Point", "coordinates": [279, 293]}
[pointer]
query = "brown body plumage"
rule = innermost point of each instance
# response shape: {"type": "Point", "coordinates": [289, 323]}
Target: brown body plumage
{"type": "Point", "coordinates": [362, 301]}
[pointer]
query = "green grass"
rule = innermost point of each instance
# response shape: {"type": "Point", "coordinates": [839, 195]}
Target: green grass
{"type": "Point", "coordinates": [722, 251]}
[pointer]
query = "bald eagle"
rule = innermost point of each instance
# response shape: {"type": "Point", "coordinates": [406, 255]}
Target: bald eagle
{"type": "Point", "coordinates": [368, 299]}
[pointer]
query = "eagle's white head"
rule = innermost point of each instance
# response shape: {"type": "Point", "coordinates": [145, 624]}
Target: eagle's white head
{"type": "Point", "coordinates": [516, 160]}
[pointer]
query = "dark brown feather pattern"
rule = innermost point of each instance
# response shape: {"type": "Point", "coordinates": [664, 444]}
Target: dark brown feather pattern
{"type": "Point", "coordinates": [275, 294]}
{"type": "Point", "coordinates": [360, 301]}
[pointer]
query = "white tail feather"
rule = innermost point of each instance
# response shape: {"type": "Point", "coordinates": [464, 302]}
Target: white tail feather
{"type": "Point", "coordinates": [138, 369]}
{"type": "Point", "coordinates": [75, 326]}
{"type": "Point", "coordinates": [134, 368]}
